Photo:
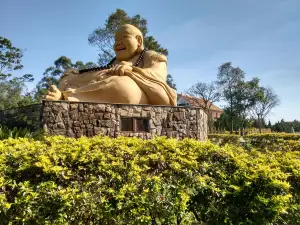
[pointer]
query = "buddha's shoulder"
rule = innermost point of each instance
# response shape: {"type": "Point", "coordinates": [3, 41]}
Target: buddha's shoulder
{"type": "Point", "coordinates": [155, 56]}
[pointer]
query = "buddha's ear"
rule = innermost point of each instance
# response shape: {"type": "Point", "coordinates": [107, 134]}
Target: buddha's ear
{"type": "Point", "coordinates": [140, 40]}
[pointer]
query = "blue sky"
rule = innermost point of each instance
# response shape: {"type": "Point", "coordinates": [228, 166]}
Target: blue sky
{"type": "Point", "coordinates": [262, 37]}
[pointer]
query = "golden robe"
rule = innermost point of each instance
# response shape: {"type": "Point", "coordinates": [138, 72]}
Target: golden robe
{"type": "Point", "coordinates": [146, 84]}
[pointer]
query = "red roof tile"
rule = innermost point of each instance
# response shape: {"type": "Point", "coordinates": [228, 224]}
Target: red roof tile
{"type": "Point", "coordinates": [198, 102]}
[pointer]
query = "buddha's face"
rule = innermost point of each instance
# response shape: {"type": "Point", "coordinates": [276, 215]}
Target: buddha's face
{"type": "Point", "coordinates": [127, 43]}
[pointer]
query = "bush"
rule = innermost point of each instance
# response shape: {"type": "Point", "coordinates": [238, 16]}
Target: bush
{"type": "Point", "coordinates": [5, 132]}
{"type": "Point", "coordinates": [273, 137]}
{"type": "Point", "coordinates": [262, 142]}
{"type": "Point", "coordinates": [130, 181]}
{"type": "Point", "coordinates": [223, 139]}
{"type": "Point", "coordinates": [275, 141]}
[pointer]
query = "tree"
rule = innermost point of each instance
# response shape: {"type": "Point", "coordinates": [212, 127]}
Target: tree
{"type": "Point", "coordinates": [293, 124]}
{"type": "Point", "coordinates": [246, 94]}
{"type": "Point", "coordinates": [10, 58]}
{"type": "Point", "coordinates": [264, 105]}
{"type": "Point", "coordinates": [208, 92]}
{"type": "Point", "coordinates": [13, 91]}
{"type": "Point", "coordinates": [80, 65]}
{"type": "Point", "coordinates": [284, 126]}
{"type": "Point", "coordinates": [52, 74]}
{"type": "Point", "coordinates": [170, 81]}
{"type": "Point", "coordinates": [103, 37]}
{"type": "Point", "coordinates": [269, 125]}
{"type": "Point", "coordinates": [239, 94]}
{"type": "Point", "coordinates": [204, 95]}
{"type": "Point", "coordinates": [224, 122]}
{"type": "Point", "coordinates": [228, 79]}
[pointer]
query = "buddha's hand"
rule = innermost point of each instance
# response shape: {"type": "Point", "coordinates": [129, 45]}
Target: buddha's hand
{"type": "Point", "coordinates": [53, 93]}
{"type": "Point", "coordinates": [119, 70]}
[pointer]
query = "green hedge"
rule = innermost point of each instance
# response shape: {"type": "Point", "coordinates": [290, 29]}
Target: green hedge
{"type": "Point", "coordinates": [223, 139]}
{"type": "Point", "coordinates": [274, 136]}
{"type": "Point", "coordinates": [130, 181]}
{"type": "Point", "coordinates": [275, 141]}
{"type": "Point", "coordinates": [262, 142]}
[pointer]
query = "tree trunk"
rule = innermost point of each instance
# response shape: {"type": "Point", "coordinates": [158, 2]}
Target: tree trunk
{"type": "Point", "coordinates": [243, 127]}
{"type": "Point", "coordinates": [210, 121]}
{"type": "Point", "coordinates": [259, 124]}
{"type": "Point", "coordinates": [231, 116]}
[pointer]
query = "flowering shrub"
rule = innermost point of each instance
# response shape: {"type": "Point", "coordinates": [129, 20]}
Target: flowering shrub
{"type": "Point", "coordinates": [101, 180]}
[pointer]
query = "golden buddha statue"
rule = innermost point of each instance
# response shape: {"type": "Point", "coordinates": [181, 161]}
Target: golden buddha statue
{"type": "Point", "coordinates": [135, 76]}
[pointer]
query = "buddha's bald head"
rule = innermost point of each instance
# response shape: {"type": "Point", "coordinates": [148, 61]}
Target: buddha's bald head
{"type": "Point", "coordinates": [128, 42]}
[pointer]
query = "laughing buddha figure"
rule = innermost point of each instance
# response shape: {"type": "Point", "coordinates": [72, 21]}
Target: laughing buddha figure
{"type": "Point", "coordinates": [134, 76]}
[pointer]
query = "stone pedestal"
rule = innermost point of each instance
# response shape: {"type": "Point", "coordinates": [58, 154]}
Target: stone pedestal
{"type": "Point", "coordinates": [74, 119]}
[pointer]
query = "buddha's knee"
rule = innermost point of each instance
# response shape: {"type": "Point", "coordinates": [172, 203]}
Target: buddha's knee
{"type": "Point", "coordinates": [127, 91]}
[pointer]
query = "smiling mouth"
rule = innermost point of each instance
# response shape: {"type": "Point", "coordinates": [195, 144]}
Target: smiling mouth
{"type": "Point", "coordinates": [121, 49]}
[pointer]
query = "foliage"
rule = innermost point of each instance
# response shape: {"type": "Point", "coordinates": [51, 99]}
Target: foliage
{"type": "Point", "coordinates": [228, 79]}
{"type": "Point", "coordinates": [224, 122]}
{"type": "Point", "coordinates": [103, 38]}
{"type": "Point", "coordinates": [247, 94]}
{"type": "Point", "coordinates": [274, 136]}
{"type": "Point", "coordinates": [52, 74]}
{"type": "Point", "coordinates": [261, 142]}
{"type": "Point", "coordinates": [170, 82]}
{"type": "Point", "coordinates": [16, 132]}
{"type": "Point", "coordinates": [13, 91]}
{"type": "Point", "coordinates": [241, 96]}
{"type": "Point", "coordinates": [208, 92]}
{"type": "Point", "coordinates": [264, 105]}
{"type": "Point", "coordinates": [284, 126]}
{"type": "Point", "coordinates": [10, 58]}
{"type": "Point", "coordinates": [101, 180]}
{"type": "Point", "coordinates": [275, 141]}
{"type": "Point", "coordinates": [204, 95]}
{"type": "Point", "coordinates": [223, 139]}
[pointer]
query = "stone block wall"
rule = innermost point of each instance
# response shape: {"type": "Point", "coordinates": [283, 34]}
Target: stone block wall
{"type": "Point", "coordinates": [76, 119]}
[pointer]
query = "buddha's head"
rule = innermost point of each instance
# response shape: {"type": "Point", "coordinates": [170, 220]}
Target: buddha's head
{"type": "Point", "coordinates": [128, 42]}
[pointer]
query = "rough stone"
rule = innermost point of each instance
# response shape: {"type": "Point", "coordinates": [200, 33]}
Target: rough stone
{"type": "Point", "coordinates": [77, 123]}
{"type": "Point", "coordinates": [178, 116]}
{"type": "Point", "coordinates": [98, 116]}
{"type": "Point", "coordinates": [123, 112]}
{"type": "Point", "coordinates": [193, 112]}
{"type": "Point", "coordinates": [70, 133]}
{"type": "Point", "coordinates": [99, 108]}
{"type": "Point", "coordinates": [73, 106]}
{"type": "Point", "coordinates": [108, 108]}
{"type": "Point", "coordinates": [80, 107]}
{"type": "Point", "coordinates": [77, 119]}
{"type": "Point", "coordinates": [65, 106]}
{"type": "Point", "coordinates": [58, 119]}
{"type": "Point", "coordinates": [106, 116]}
{"type": "Point", "coordinates": [61, 126]}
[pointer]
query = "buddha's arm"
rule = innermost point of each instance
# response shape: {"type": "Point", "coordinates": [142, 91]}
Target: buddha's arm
{"type": "Point", "coordinates": [76, 80]}
{"type": "Point", "coordinates": [151, 78]}
{"type": "Point", "coordinates": [155, 67]}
